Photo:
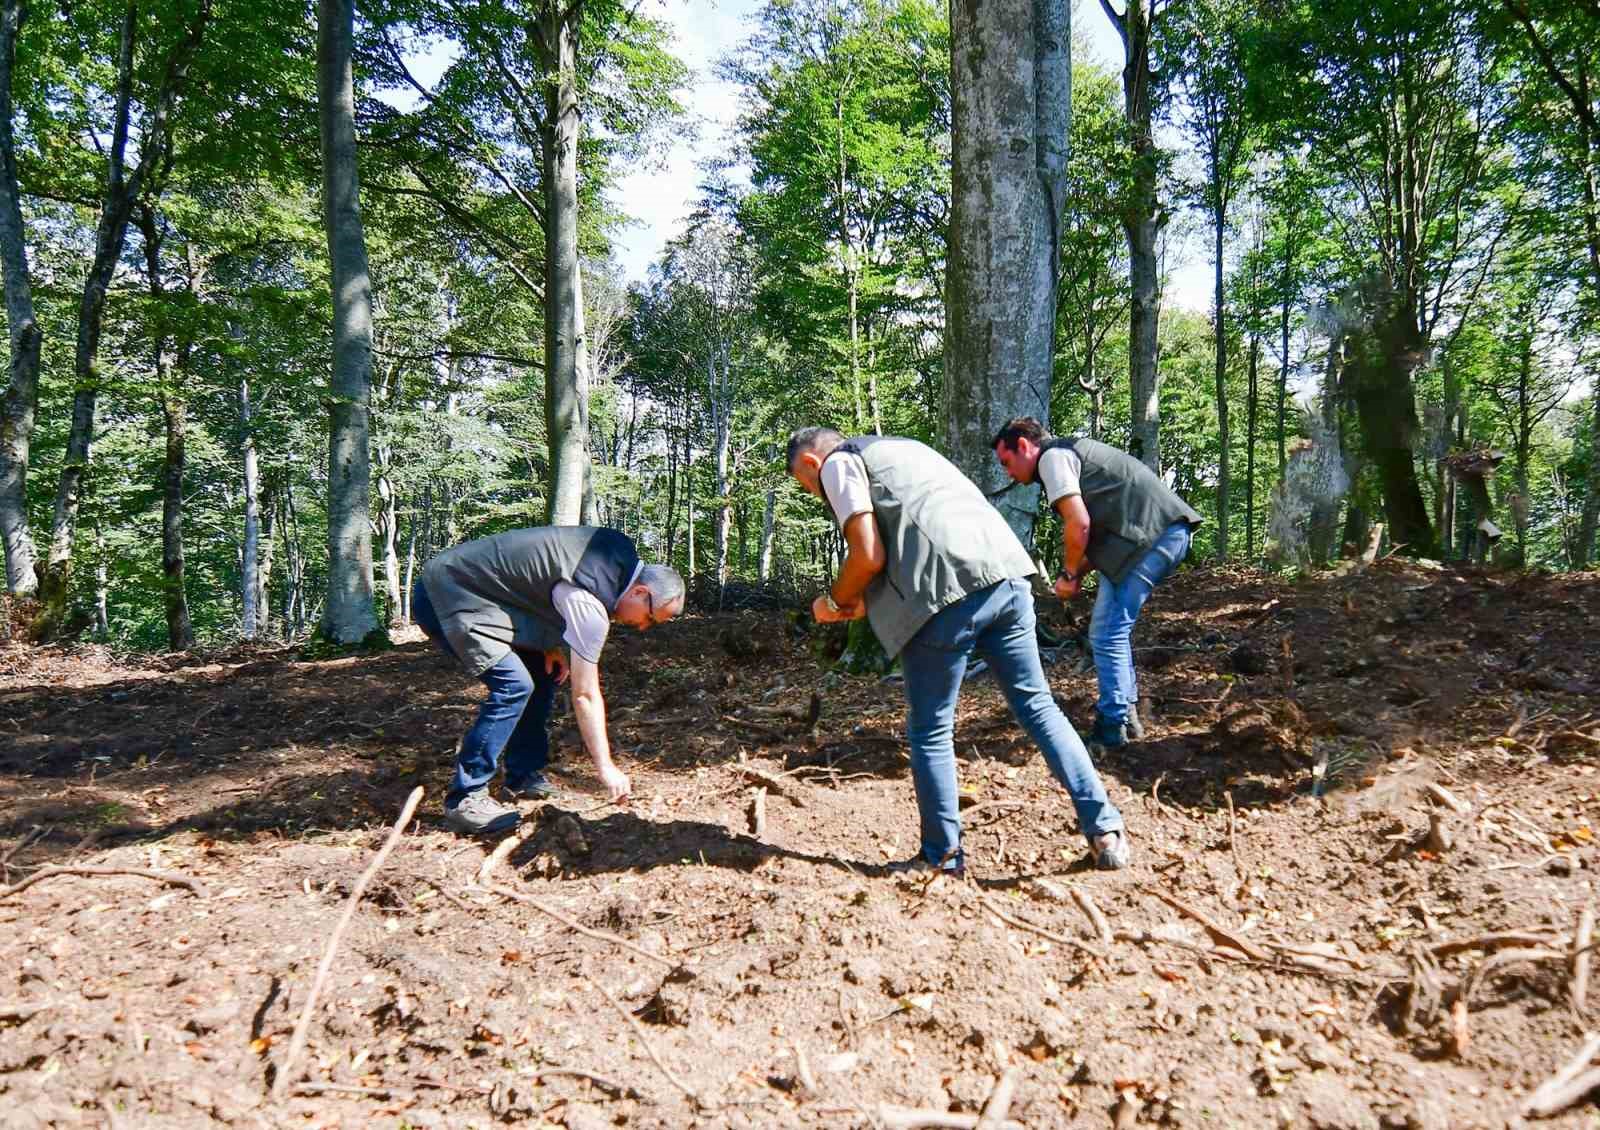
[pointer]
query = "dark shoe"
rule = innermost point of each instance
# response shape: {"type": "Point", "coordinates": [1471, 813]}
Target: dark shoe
{"type": "Point", "coordinates": [535, 786]}
{"type": "Point", "coordinates": [916, 865]}
{"type": "Point", "coordinates": [479, 814]}
{"type": "Point", "coordinates": [1133, 725]}
{"type": "Point", "coordinates": [1112, 852]}
{"type": "Point", "coordinates": [1104, 735]}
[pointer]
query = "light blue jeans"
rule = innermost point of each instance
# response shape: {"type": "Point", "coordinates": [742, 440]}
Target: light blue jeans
{"type": "Point", "coordinates": [998, 622]}
{"type": "Point", "coordinates": [1117, 607]}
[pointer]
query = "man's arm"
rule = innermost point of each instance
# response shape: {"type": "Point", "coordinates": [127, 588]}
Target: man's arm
{"type": "Point", "coordinates": [590, 708]}
{"type": "Point", "coordinates": [864, 560]}
{"type": "Point", "coordinates": [1074, 544]}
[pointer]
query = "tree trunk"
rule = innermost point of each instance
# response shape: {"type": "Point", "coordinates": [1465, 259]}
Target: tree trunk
{"type": "Point", "coordinates": [349, 616]}
{"type": "Point", "coordinates": [1224, 456]}
{"type": "Point", "coordinates": [22, 389]}
{"type": "Point", "coordinates": [1252, 403]}
{"type": "Point", "coordinates": [1004, 251]}
{"type": "Point", "coordinates": [565, 410]}
{"type": "Point", "coordinates": [180, 632]}
{"type": "Point", "coordinates": [102, 589]}
{"type": "Point", "coordinates": [1387, 406]}
{"type": "Point", "coordinates": [268, 548]}
{"type": "Point", "coordinates": [1590, 520]}
{"type": "Point", "coordinates": [122, 189]}
{"type": "Point", "coordinates": [1142, 223]}
{"type": "Point", "coordinates": [720, 377]}
{"type": "Point", "coordinates": [250, 581]}
{"type": "Point", "coordinates": [764, 561]}
{"type": "Point", "coordinates": [1325, 511]}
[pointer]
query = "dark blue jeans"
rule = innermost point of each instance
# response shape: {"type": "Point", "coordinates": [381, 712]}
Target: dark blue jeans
{"type": "Point", "coordinates": [998, 622]}
{"type": "Point", "coordinates": [510, 721]}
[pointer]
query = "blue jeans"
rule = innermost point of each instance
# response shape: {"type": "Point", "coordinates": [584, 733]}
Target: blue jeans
{"type": "Point", "coordinates": [997, 621]}
{"type": "Point", "coordinates": [510, 721]}
{"type": "Point", "coordinates": [1116, 607]}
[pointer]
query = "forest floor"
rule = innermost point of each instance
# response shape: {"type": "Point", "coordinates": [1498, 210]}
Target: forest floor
{"type": "Point", "coordinates": [1354, 971]}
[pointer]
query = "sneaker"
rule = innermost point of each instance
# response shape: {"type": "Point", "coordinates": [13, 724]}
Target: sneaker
{"type": "Point", "coordinates": [535, 786]}
{"type": "Point", "coordinates": [478, 814]}
{"type": "Point", "coordinates": [1133, 725]}
{"type": "Point", "coordinates": [916, 865]}
{"type": "Point", "coordinates": [1104, 735]}
{"type": "Point", "coordinates": [1112, 852]}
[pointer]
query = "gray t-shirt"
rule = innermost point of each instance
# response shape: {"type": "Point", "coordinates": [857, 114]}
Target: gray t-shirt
{"type": "Point", "coordinates": [1059, 471]}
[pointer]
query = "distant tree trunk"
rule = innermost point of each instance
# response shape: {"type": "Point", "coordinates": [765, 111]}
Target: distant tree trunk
{"type": "Point", "coordinates": [566, 414]}
{"type": "Point", "coordinates": [1591, 498]}
{"type": "Point", "coordinates": [1252, 403]}
{"type": "Point", "coordinates": [1005, 242]}
{"type": "Point", "coordinates": [22, 389]}
{"type": "Point", "coordinates": [719, 376]}
{"type": "Point", "coordinates": [1386, 401]}
{"type": "Point", "coordinates": [180, 632]}
{"type": "Point", "coordinates": [268, 549]}
{"type": "Point", "coordinates": [589, 511]}
{"type": "Point", "coordinates": [102, 588]}
{"type": "Point", "coordinates": [122, 189]}
{"type": "Point", "coordinates": [764, 560]}
{"type": "Point", "coordinates": [250, 581]}
{"type": "Point", "coordinates": [1224, 456]}
{"type": "Point", "coordinates": [1325, 511]}
{"type": "Point", "coordinates": [349, 616]}
{"type": "Point", "coordinates": [411, 570]}
{"type": "Point", "coordinates": [1590, 520]}
{"type": "Point", "coordinates": [1142, 222]}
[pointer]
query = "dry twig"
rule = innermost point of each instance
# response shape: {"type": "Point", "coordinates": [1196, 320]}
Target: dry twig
{"type": "Point", "coordinates": [1092, 912]}
{"type": "Point", "coordinates": [1021, 924]}
{"type": "Point", "coordinates": [504, 848]}
{"type": "Point", "coordinates": [638, 1030]}
{"type": "Point", "coordinates": [171, 878]}
{"type": "Point", "coordinates": [1569, 1084]}
{"type": "Point", "coordinates": [909, 1118]}
{"type": "Point", "coordinates": [1581, 957]}
{"type": "Point", "coordinates": [999, 1104]}
{"type": "Point", "coordinates": [1218, 934]}
{"type": "Point", "coordinates": [285, 1078]}
{"type": "Point", "coordinates": [572, 924]}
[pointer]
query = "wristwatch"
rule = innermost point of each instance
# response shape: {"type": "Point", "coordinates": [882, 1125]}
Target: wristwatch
{"type": "Point", "coordinates": [1071, 578]}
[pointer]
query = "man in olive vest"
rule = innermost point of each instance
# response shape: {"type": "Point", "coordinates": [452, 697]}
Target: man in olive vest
{"type": "Point", "coordinates": [939, 574]}
{"type": "Point", "coordinates": [1119, 518]}
{"type": "Point", "coordinates": [503, 606]}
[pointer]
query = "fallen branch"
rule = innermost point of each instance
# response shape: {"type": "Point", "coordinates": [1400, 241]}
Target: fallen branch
{"type": "Point", "coordinates": [999, 1104]}
{"type": "Point", "coordinates": [1092, 912]}
{"type": "Point", "coordinates": [605, 1083]}
{"type": "Point", "coordinates": [1218, 934]}
{"type": "Point", "coordinates": [638, 1030]}
{"type": "Point", "coordinates": [778, 784]}
{"type": "Point", "coordinates": [766, 733]}
{"type": "Point", "coordinates": [171, 878]}
{"type": "Point", "coordinates": [1447, 798]}
{"type": "Point", "coordinates": [1029, 927]}
{"type": "Point", "coordinates": [1490, 942]}
{"type": "Point", "coordinates": [20, 1011]}
{"type": "Point", "coordinates": [578, 927]}
{"type": "Point", "coordinates": [1503, 957]}
{"type": "Point", "coordinates": [286, 1078]}
{"type": "Point", "coordinates": [910, 1118]}
{"type": "Point", "coordinates": [1582, 957]}
{"type": "Point", "coordinates": [504, 848]}
{"type": "Point", "coordinates": [1569, 1084]}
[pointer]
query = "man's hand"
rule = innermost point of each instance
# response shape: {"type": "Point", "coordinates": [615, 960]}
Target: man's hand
{"type": "Point", "coordinates": [616, 783]}
{"type": "Point", "coordinates": [555, 663]}
{"type": "Point", "coordinates": [1067, 587]}
{"type": "Point", "coordinates": [825, 614]}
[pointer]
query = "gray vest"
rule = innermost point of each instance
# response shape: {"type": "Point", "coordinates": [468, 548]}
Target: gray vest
{"type": "Point", "coordinates": [1128, 505]}
{"type": "Point", "coordinates": [495, 593]}
{"type": "Point", "coordinates": [941, 538]}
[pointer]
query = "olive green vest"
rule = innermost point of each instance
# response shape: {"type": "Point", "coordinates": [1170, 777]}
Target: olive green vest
{"type": "Point", "coordinates": [495, 593]}
{"type": "Point", "coordinates": [1129, 507]}
{"type": "Point", "coordinates": [941, 537]}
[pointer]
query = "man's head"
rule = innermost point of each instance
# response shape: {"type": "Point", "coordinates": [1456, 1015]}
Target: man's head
{"type": "Point", "coordinates": [655, 597]}
{"type": "Point", "coordinates": [808, 448]}
{"type": "Point", "coordinates": [1017, 445]}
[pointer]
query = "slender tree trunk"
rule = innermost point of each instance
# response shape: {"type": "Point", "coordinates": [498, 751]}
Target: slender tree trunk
{"type": "Point", "coordinates": [1142, 223]}
{"type": "Point", "coordinates": [720, 377]}
{"type": "Point", "coordinates": [1284, 308]}
{"type": "Point", "coordinates": [768, 524]}
{"type": "Point", "coordinates": [1252, 402]}
{"type": "Point", "coordinates": [102, 589]}
{"type": "Point", "coordinates": [1224, 456]}
{"type": "Point", "coordinates": [1325, 511]}
{"type": "Point", "coordinates": [180, 632]}
{"type": "Point", "coordinates": [349, 616]}
{"type": "Point", "coordinates": [268, 549]}
{"type": "Point", "coordinates": [1005, 243]}
{"type": "Point", "coordinates": [565, 411]}
{"type": "Point", "coordinates": [1590, 520]}
{"type": "Point", "coordinates": [21, 398]}
{"type": "Point", "coordinates": [250, 581]}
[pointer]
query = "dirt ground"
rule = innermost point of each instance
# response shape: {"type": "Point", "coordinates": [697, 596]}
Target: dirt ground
{"type": "Point", "coordinates": [1370, 957]}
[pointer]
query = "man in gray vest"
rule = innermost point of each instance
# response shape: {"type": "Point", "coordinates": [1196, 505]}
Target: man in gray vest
{"type": "Point", "coordinates": [1119, 518]}
{"type": "Point", "coordinates": [503, 606]}
{"type": "Point", "coordinates": [939, 574]}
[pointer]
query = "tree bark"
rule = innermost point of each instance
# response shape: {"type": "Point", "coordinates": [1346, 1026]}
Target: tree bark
{"type": "Point", "coordinates": [122, 190]}
{"type": "Point", "coordinates": [1590, 520]}
{"type": "Point", "coordinates": [1009, 131]}
{"type": "Point", "coordinates": [21, 400]}
{"type": "Point", "coordinates": [764, 560]}
{"type": "Point", "coordinates": [1252, 403]}
{"type": "Point", "coordinates": [349, 616]}
{"type": "Point", "coordinates": [1224, 483]}
{"type": "Point", "coordinates": [719, 374]}
{"type": "Point", "coordinates": [556, 41]}
{"type": "Point", "coordinates": [1325, 511]}
{"type": "Point", "coordinates": [1142, 222]}
{"type": "Point", "coordinates": [180, 631]}
{"type": "Point", "coordinates": [250, 583]}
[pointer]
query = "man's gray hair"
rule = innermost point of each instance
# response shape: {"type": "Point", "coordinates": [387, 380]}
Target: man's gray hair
{"type": "Point", "coordinates": [811, 439]}
{"type": "Point", "coordinates": [664, 583]}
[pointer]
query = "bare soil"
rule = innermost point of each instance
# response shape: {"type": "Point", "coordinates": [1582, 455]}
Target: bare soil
{"type": "Point", "coordinates": [1282, 793]}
